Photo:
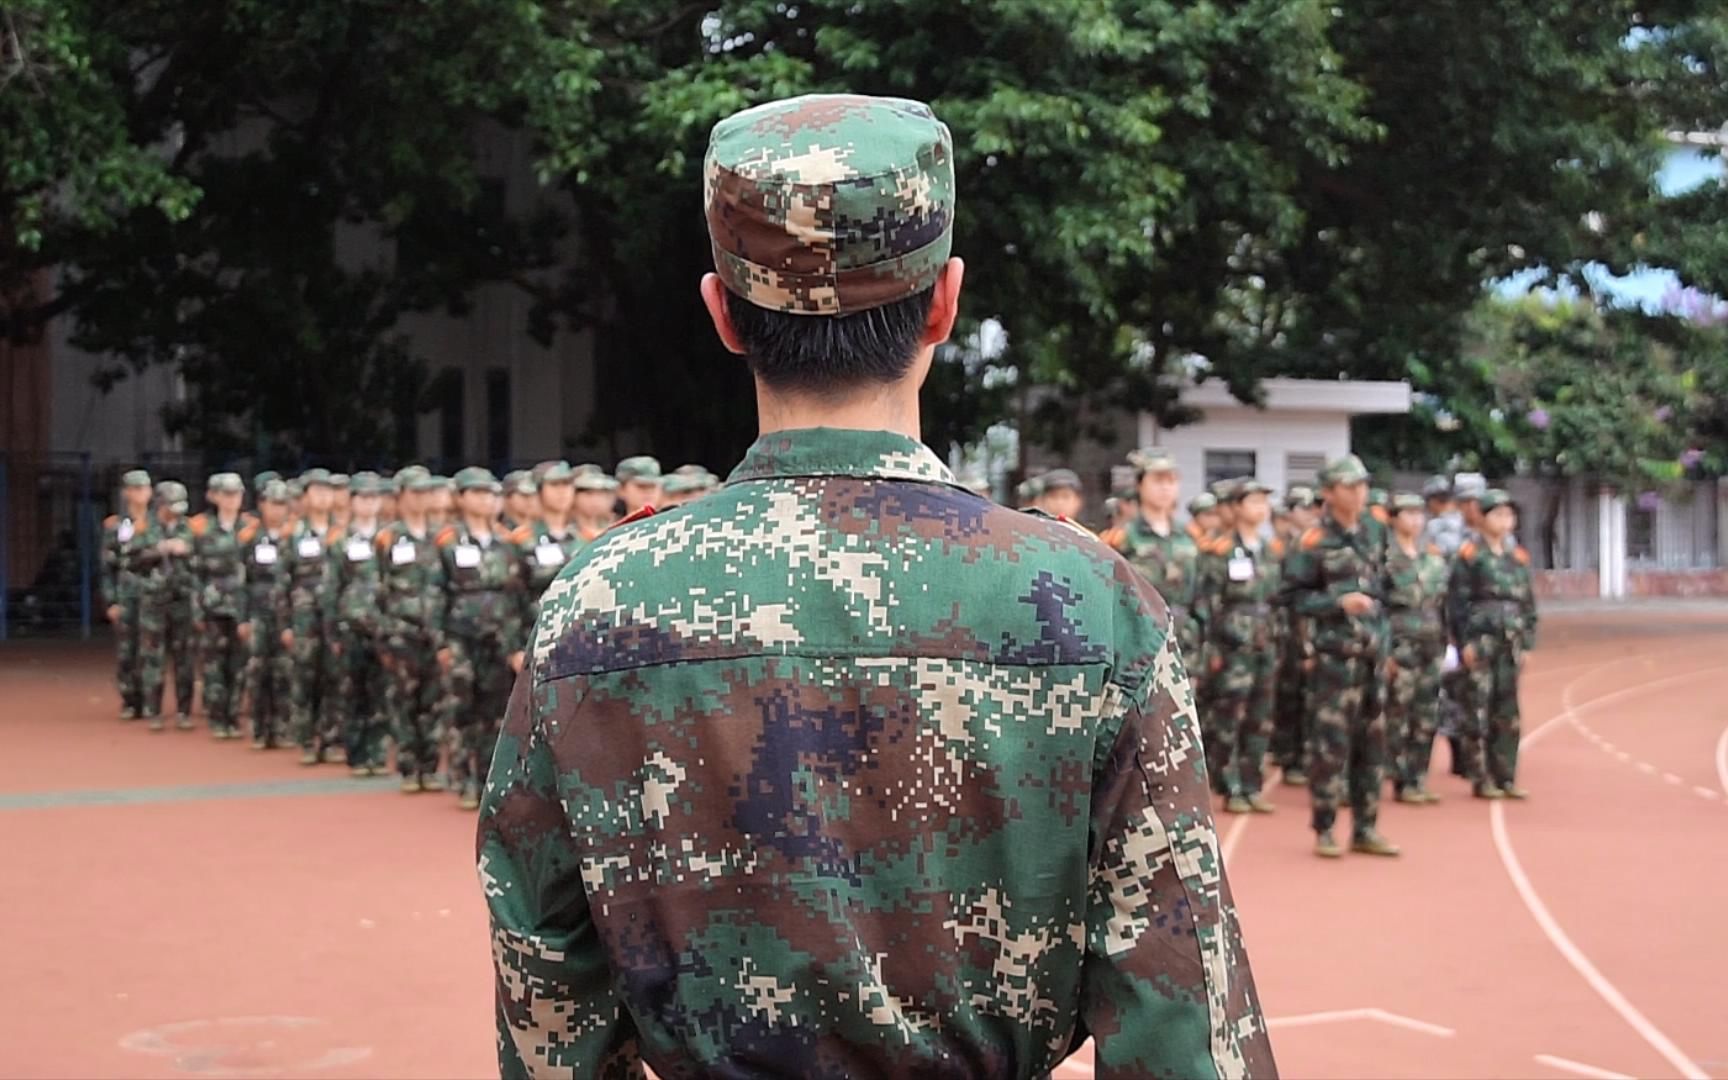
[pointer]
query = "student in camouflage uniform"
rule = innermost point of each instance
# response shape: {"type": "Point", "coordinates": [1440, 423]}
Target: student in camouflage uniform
{"type": "Point", "coordinates": [521, 502]}
{"type": "Point", "coordinates": [638, 483]}
{"type": "Point", "coordinates": [1333, 578]}
{"type": "Point", "coordinates": [264, 545]}
{"type": "Point", "coordinates": [359, 710]}
{"type": "Point", "coordinates": [1290, 720]}
{"type": "Point", "coordinates": [483, 627]}
{"type": "Point", "coordinates": [412, 584]}
{"type": "Point", "coordinates": [1203, 520]}
{"type": "Point", "coordinates": [440, 502]}
{"type": "Point", "coordinates": [1238, 584]}
{"type": "Point", "coordinates": [845, 771]}
{"type": "Point", "coordinates": [312, 678]}
{"type": "Point", "coordinates": [1416, 578]}
{"type": "Point", "coordinates": [341, 499]}
{"type": "Point", "coordinates": [165, 591]}
{"type": "Point", "coordinates": [219, 602]}
{"type": "Point", "coordinates": [123, 537]}
{"type": "Point", "coordinates": [1161, 550]}
{"type": "Point", "coordinates": [1059, 494]}
{"type": "Point", "coordinates": [553, 538]}
{"type": "Point", "coordinates": [595, 494]}
{"type": "Point", "coordinates": [1492, 605]}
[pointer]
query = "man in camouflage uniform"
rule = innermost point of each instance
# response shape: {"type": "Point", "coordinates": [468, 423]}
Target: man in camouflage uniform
{"type": "Point", "coordinates": [1290, 708]}
{"type": "Point", "coordinates": [440, 502]}
{"type": "Point", "coordinates": [1456, 708]}
{"type": "Point", "coordinates": [1203, 520]}
{"type": "Point", "coordinates": [123, 538]}
{"type": "Point", "coordinates": [1416, 577]}
{"type": "Point", "coordinates": [165, 591]}
{"type": "Point", "coordinates": [1445, 525]}
{"type": "Point", "coordinates": [676, 490]}
{"type": "Point", "coordinates": [264, 546]}
{"type": "Point", "coordinates": [412, 586]}
{"type": "Point", "coordinates": [1238, 585]}
{"type": "Point", "coordinates": [1059, 494]}
{"type": "Point", "coordinates": [553, 538]}
{"type": "Point", "coordinates": [521, 503]}
{"type": "Point", "coordinates": [219, 602]}
{"type": "Point", "coordinates": [312, 677]}
{"type": "Point", "coordinates": [638, 483]}
{"type": "Point", "coordinates": [341, 499]}
{"type": "Point", "coordinates": [1334, 579]}
{"type": "Point", "coordinates": [1492, 605]}
{"type": "Point", "coordinates": [845, 771]}
{"type": "Point", "coordinates": [595, 494]}
{"type": "Point", "coordinates": [358, 706]}
{"type": "Point", "coordinates": [387, 499]}
{"type": "Point", "coordinates": [1162, 551]}
{"type": "Point", "coordinates": [482, 628]}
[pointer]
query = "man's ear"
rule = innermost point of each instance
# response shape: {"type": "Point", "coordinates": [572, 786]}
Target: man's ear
{"type": "Point", "coordinates": [714, 299]}
{"type": "Point", "coordinates": [944, 303]}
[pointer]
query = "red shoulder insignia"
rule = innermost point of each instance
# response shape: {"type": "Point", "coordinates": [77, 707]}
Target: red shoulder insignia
{"type": "Point", "coordinates": [446, 536]}
{"type": "Point", "coordinates": [521, 535]}
{"type": "Point", "coordinates": [1467, 550]}
{"type": "Point", "coordinates": [334, 536]}
{"type": "Point", "coordinates": [383, 540]}
{"type": "Point", "coordinates": [248, 529]}
{"type": "Point", "coordinates": [1113, 536]}
{"type": "Point", "coordinates": [1311, 539]}
{"type": "Point", "coordinates": [1216, 545]}
{"type": "Point", "coordinates": [1277, 547]}
{"type": "Point", "coordinates": [645, 512]}
{"type": "Point", "coordinates": [200, 524]}
{"type": "Point", "coordinates": [1434, 549]}
{"type": "Point", "coordinates": [112, 521]}
{"type": "Point", "coordinates": [1521, 555]}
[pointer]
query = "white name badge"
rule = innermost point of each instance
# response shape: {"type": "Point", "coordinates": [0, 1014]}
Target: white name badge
{"type": "Point", "coordinates": [1241, 568]}
{"type": "Point", "coordinates": [125, 532]}
{"type": "Point", "coordinates": [548, 554]}
{"type": "Point", "coordinates": [467, 556]}
{"type": "Point", "coordinates": [359, 551]}
{"type": "Point", "coordinates": [264, 554]}
{"type": "Point", "coordinates": [310, 548]}
{"type": "Point", "coordinates": [401, 553]}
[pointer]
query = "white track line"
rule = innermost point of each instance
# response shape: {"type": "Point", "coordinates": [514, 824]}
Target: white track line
{"type": "Point", "coordinates": [1598, 982]}
{"type": "Point", "coordinates": [1342, 1015]}
{"type": "Point", "coordinates": [1722, 761]}
{"type": "Point", "coordinates": [1234, 836]}
{"type": "Point", "coordinates": [1578, 1067]}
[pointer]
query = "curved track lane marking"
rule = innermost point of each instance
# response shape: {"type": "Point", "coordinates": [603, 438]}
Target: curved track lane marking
{"type": "Point", "coordinates": [1722, 761]}
{"type": "Point", "coordinates": [1573, 955]}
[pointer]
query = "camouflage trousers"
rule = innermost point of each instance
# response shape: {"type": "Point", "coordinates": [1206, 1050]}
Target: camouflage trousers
{"type": "Point", "coordinates": [1347, 740]}
{"type": "Point", "coordinates": [359, 705]}
{"type": "Point", "coordinates": [478, 693]}
{"type": "Point", "coordinates": [1412, 709]}
{"type": "Point", "coordinates": [165, 637]}
{"type": "Point", "coordinates": [224, 658]}
{"type": "Point", "coordinates": [415, 696]}
{"type": "Point", "coordinates": [1241, 714]}
{"type": "Point", "coordinates": [267, 675]}
{"type": "Point", "coordinates": [128, 672]}
{"type": "Point", "coordinates": [1492, 722]}
{"type": "Point", "coordinates": [310, 685]}
{"type": "Point", "coordinates": [1290, 711]}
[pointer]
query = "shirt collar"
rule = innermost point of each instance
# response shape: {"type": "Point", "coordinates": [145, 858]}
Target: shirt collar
{"type": "Point", "coordinates": [882, 455]}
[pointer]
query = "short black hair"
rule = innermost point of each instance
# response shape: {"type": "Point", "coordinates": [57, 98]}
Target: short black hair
{"type": "Point", "coordinates": [824, 355]}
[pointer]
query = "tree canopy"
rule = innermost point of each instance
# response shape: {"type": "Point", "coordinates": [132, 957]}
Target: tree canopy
{"type": "Point", "coordinates": [1275, 186]}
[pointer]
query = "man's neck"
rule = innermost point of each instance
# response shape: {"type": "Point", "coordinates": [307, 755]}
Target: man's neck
{"type": "Point", "coordinates": [1496, 544]}
{"type": "Point", "coordinates": [141, 513]}
{"type": "Point", "coordinates": [317, 522]}
{"type": "Point", "coordinates": [415, 523]}
{"type": "Point", "coordinates": [891, 408]}
{"type": "Point", "coordinates": [1345, 521]}
{"type": "Point", "coordinates": [556, 523]}
{"type": "Point", "coordinates": [227, 518]}
{"type": "Point", "coordinates": [477, 526]}
{"type": "Point", "coordinates": [1407, 544]}
{"type": "Point", "coordinates": [363, 525]}
{"type": "Point", "coordinates": [1157, 520]}
{"type": "Point", "coordinates": [1248, 534]}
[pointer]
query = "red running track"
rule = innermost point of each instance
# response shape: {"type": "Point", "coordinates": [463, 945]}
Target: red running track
{"type": "Point", "coordinates": [177, 906]}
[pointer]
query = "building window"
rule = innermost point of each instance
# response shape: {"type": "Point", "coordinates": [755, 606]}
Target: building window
{"type": "Point", "coordinates": [445, 392]}
{"type": "Point", "coordinates": [1301, 467]}
{"type": "Point", "coordinates": [498, 417]}
{"type": "Point", "coordinates": [1640, 532]}
{"type": "Point", "coordinates": [1228, 465]}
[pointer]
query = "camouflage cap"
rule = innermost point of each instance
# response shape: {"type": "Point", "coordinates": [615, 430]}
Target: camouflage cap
{"type": "Point", "coordinates": [443, 483]}
{"type": "Point", "coordinates": [1028, 490]}
{"type": "Point", "coordinates": [135, 478]}
{"type": "Point", "coordinates": [172, 494]}
{"type": "Point", "coordinates": [829, 204]}
{"type": "Point", "coordinates": [387, 485]}
{"type": "Point", "coordinates": [1469, 486]}
{"type": "Point", "coordinates": [1345, 470]}
{"type": "Point", "coordinates": [365, 483]}
{"type": "Point", "coordinates": [1299, 496]}
{"type": "Point", "coordinates": [1152, 459]}
{"type": "Point", "coordinates": [1057, 479]}
{"type": "Point", "coordinates": [1408, 500]}
{"type": "Point", "coordinates": [1221, 489]}
{"type": "Point", "coordinates": [541, 468]}
{"type": "Point", "coordinates": [420, 482]}
{"type": "Point", "coordinates": [1495, 498]}
{"type": "Point", "coordinates": [475, 478]}
{"type": "Point", "coordinates": [229, 482]}
{"type": "Point", "coordinates": [642, 467]}
{"type": "Point", "coordinates": [406, 475]}
{"type": "Point", "coordinates": [1437, 486]}
{"type": "Point", "coordinates": [341, 481]}
{"type": "Point", "coordinates": [315, 476]}
{"type": "Point", "coordinates": [521, 482]}
{"type": "Point", "coordinates": [1378, 497]}
{"type": "Point", "coordinates": [273, 490]}
{"type": "Point", "coordinates": [556, 472]}
{"type": "Point", "coordinates": [681, 484]}
{"type": "Point", "coordinates": [1202, 503]}
{"type": "Point", "coordinates": [1245, 486]}
{"type": "Point", "coordinates": [262, 480]}
{"type": "Point", "coordinates": [296, 488]}
{"type": "Point", "coordinates": [594, 478]}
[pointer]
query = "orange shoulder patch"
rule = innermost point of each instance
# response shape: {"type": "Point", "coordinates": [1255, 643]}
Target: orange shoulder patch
{"type": "Point", "coordinates": [1216, 545]}
{"type": "Point", "coordinates": [521, 534]}
{"type": "Point", "coordinates": [446, 536]}
{"type": "Point", "coordinates": [335, 535]}
{"type": "Point", "coordinates": [248, 529]}
{"type": "Point", "coordinates": [645, 512]}
{"type": "Point", "coordinates": [1113, 536]}
{"type": "Point", "coordinates": [1467, 550]}
{"type": "Point", "coordinates": [1277, 547]}
{"type": "Point", "coordinates": [1434, 549]}
{"type": "Point", "coordinates": [383, 540]}
{"type": "Point", "coordinates": [1311, 539]}
{"type": "Point", "coordinates": [199, 524]}
{"type": "Point", "coordinates": [1521, 555]}
{"type": "Point", "coordinates": [112, 521]}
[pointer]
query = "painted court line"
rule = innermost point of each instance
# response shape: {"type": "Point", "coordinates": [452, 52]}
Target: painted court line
{"type": "Point", "coordinates": [1573, 955]}
{"type": "Point", "coordinates": [1344, 1015]}
{"type": "Point", "coordinates": [259, 789]}
{"type": "Point", "coordinates": [1234, 836]}
{"type": "Point", "coordinates": [1722, 761]}
{"type": "Point", "coordinates": [1579, 1068]}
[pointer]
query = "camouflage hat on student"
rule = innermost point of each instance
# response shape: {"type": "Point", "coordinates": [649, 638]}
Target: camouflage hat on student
{"type": "Point", "coordinates": [642, 467]}
{"type": "Point", "coordinates": [135, 478]}
{"type": "Point", "coordinates": [1345, 470]}
{"type": "Point", "coordinates": [475, 478]}
{"type": "Point", "coordinates": [172, 494]}
{"type": "Point", "coordinates": [229, 482]}
{"type": "Point", "coordinates": [829, 204]}
{"type": "Point", "coordinates": [1407, 500]}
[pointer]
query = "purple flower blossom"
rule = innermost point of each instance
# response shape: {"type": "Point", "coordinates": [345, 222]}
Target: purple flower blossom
{"type": "Point", "coordinates": [1538, 419]}
{"type": "Point", "coordinates": [1648, 501]}
{"type": "Point", "coordinates": [1691, 457]}
{"type": "Point", "coordinates": [1663, 413]}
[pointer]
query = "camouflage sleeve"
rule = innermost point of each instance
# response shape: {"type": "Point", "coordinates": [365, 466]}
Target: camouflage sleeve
{"type": "Point", "coordinates": [1457, 600]}
{"type": "Point", "coordinates": [1529, 635]}
{"type": "Point", "coordinates": [556, 1010]}
{"type": "Point", "coordinates": [1167, 989]}
{"type": "Point", "coordinates": [110, 567]}
{"type": "Point", "coordinates": [1206, 593]}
